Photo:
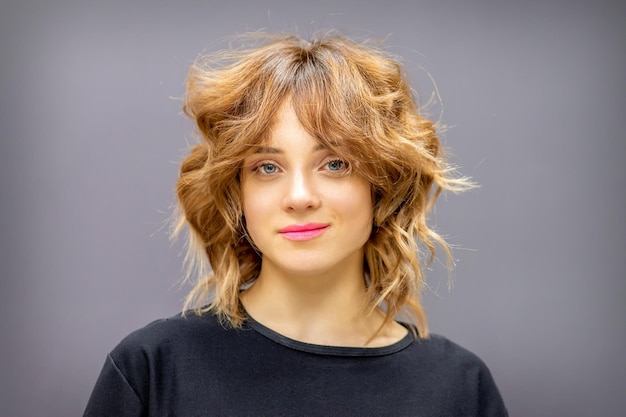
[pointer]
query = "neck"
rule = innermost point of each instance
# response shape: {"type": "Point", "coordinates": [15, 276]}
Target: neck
{"type": "Point", "coordinates": [326, 309]}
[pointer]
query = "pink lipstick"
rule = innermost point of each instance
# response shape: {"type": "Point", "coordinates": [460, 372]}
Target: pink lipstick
{"type": "Point", "coordinates": [304, 231]}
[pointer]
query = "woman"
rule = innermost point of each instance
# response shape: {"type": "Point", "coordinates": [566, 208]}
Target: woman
{"type": "Point", "coordinates": [307, 197]}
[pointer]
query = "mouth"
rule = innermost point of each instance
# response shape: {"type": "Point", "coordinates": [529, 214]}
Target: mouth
{"type": "Point", "coordinates": [303, 232]}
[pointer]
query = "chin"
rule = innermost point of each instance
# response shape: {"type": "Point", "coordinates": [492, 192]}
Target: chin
{"type": "Point", "coordinates": [301, 265]}
{"type": "Point", "coordinates": [304, 269]}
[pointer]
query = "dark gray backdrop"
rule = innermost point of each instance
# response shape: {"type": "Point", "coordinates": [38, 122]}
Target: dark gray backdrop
{"type": "Point", "coordinates": [91, 136]}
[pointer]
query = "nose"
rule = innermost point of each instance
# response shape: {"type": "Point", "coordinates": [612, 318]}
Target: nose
{"type": "Point", "coordinates": [301, 193]}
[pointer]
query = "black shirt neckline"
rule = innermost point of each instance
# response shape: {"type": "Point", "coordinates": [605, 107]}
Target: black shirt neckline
{"type": "Point", "coordinates": [401, 344]}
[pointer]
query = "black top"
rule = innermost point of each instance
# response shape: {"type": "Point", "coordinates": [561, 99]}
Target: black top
{"type": "Point", "coordinates": [195, 367]}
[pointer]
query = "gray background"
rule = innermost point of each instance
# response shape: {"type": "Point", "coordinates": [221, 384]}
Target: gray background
{"type": "Point", "coordinates": [534, 93]}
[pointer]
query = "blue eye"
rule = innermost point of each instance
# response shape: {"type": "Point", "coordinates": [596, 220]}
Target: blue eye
{"type": "Point", "coordinates": [336, 165]}
{"type": "Point", "coordinates": [268, 168]}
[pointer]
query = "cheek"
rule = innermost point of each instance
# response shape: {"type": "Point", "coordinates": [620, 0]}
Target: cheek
{"type": "Point", "coordinates": [249, 197]}
{"type": "Point", "coordinates": [357, 204]}
{"type": "Point", "coordinates": [255, 212]}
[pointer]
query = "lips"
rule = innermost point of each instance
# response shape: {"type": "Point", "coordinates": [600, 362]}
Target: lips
{"type": "Point", "coordinates": [303, 231]}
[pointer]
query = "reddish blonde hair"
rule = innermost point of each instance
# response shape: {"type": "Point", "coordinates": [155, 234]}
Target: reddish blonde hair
{"type": "Point", "coordinates": [353, 98]}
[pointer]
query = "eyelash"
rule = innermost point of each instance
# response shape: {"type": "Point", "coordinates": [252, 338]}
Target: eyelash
{"type": "Point", "coordinates": [344, 167]}
{"type": "Point", "coordinates": [259, 168]}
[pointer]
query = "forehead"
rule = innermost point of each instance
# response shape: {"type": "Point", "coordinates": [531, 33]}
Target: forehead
{"type": "Point", "coordinates": [286, 132]}
{"type": "Point", "coordinates": [286, 123]}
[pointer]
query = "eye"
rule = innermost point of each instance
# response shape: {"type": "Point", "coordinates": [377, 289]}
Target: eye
{"type": "Point", "coordinates": [337, 165]}
{"type": "Point", "coordinates": [267, 168]}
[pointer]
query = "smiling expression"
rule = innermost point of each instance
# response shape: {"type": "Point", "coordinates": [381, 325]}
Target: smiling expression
{"type": "Point", "coordinates": [305, 211]}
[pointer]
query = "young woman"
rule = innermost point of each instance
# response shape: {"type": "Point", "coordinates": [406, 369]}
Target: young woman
{"type": "Point", "coordinates": [307, 198]}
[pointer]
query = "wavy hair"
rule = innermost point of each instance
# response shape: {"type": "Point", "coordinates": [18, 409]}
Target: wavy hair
{"type": "Point", "coordinates": [351, 97]}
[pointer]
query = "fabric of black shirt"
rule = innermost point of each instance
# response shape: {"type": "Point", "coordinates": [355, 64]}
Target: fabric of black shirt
{"type": "Point", "coordinates": [193, 366]}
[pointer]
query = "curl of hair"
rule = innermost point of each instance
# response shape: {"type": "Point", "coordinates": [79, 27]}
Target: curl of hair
{"type": "Point", "coordinates": [353, 98]}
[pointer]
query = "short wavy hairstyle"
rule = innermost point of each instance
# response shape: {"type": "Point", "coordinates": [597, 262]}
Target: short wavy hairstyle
{"type": "Point", "coordinates": [353, 98]}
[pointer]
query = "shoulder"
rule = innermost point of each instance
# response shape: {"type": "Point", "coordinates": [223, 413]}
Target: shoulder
{"type": "Point", "coordinates": [460, 372]}
{"type": "Point", "coordinates": [155, 360]}
{"type": "Point", "coordinates": [449, 358]}
{"type": "Point", "coordinates": [163, 330]}
{"type": "Point", "coordinates": [168, 337]}
{"type": "Point", "coordinates": [441, 348]}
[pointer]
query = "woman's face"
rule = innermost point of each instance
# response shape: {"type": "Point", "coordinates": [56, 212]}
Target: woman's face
{"type": "Point", "coordinates": [304, 212]}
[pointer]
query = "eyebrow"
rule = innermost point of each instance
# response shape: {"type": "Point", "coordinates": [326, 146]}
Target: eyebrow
{"type": "Point", "coordinates": [270, 150]}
